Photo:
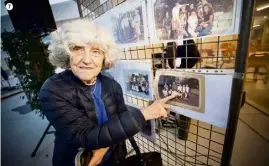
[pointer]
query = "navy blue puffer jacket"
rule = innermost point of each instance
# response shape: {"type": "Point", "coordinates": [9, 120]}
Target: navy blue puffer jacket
{"type": "Point", "coordinates": [68, 105]}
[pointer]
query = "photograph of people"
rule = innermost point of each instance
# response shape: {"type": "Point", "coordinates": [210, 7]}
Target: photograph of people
{"type": "Point", "coordinates": [86, 108]}
{"type": "Point", "coordinates": [137, 82]}
{"type": "Point", "coordinates": [128, 26]}
{"type": "Point", "coordinates": [186, 89]}
{"type": "Point", "coordinates": [191, 18]}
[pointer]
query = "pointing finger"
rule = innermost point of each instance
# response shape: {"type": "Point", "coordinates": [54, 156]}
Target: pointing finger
{"type": "Point", "coordinates": [166, 99]}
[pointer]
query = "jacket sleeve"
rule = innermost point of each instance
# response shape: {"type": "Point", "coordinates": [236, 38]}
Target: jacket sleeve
{"type": "Point", "coordinates": [75, 127]}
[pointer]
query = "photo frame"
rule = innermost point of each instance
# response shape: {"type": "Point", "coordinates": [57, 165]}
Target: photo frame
{"type": "Point", "coordinates": [137, 83]}
{"type": "Point", "coordinates": [177, 20]}
{"type": "Point", "coordinates": [142, 87]}
{"type": "Point", "coordinates": [129, 24]}
{"type": "Point", "coordinates": [217, 95]}
{"type": "Point", "coordinates": [189, 87]}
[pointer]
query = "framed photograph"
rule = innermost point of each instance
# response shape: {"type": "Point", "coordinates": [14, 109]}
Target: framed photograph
{"type": "Point", "coordinates": [135, 77]}
{"type": "Point", "coordinates": [129, 24]}
{"type": "Point", "coordinates": [185, 19]}
{"type": "Point", "coordinates": [189, 88]}
{"type": "Point", "coordinates": [214, 93]}
{"type": "Point", "coordinates": [137, 83]}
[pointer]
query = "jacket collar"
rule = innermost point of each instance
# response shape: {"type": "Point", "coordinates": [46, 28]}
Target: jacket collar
{"type": "Point", "coordinates": [105, 83]}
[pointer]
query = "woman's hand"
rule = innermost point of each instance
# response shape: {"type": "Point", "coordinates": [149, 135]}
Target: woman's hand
{"type": "Point", "coordinates": [98, 156]}
{"type": "Point", "coordinates": [158, 109]}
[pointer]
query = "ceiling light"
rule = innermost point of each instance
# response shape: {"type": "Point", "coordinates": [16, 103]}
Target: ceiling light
{"type": "Point", "coordinates": [256, 26]}
{"type": "Point", "coordinates": [265, 17]}
{"type": "Point", "coordinates": [263, 7]}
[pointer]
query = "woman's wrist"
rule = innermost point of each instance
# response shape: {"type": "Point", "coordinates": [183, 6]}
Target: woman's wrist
{"type": "Point", "coordinates": [145, 114]}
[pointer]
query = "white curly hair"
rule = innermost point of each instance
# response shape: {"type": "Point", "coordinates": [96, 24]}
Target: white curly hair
{"type": "Point", "coordinates": [81, 33]}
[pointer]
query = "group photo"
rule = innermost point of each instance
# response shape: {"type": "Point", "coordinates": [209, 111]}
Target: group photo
{"type": "Point", "coordinates": [179, 19]}
{"type": "Point", "coordinates": [137, 82]}
{"type": "Point", "coordinates": [128, 27]}
{"type": "Point", "coordinates": [186, 89]}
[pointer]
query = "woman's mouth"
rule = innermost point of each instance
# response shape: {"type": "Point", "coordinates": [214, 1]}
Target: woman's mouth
{"type": "Point", "coordinates": [85, 68]}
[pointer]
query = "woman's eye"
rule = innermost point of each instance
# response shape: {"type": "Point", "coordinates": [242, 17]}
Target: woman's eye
{"type": "Point", "coordinates": [96, 52]}
{"type": "Point", "coordinates": [77, 48]}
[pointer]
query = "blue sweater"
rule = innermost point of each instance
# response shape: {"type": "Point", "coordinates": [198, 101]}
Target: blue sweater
{"type": "Point", "coordinates": [100, 108]}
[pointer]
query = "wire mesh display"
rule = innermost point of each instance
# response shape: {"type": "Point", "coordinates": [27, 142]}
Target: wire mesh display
{"type": "Point", "coordinates": [185, 141]}
{"type": "Point", "coordinates": [180, 140]}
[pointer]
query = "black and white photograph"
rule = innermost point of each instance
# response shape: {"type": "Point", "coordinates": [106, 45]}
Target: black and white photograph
{"type": "Point", "coordinates": [189, 91]}
{"type": "Point", "coordinates": [180, 19]}
{"type": "Point", "coordinates": [135, 77]}
{"type": "Point", "coordinates": [137, 83]}
{"type": "Point", "coordinates": [129, 25]}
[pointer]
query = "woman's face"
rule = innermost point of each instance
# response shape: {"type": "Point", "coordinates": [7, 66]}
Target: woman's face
{"type": "Point", "coordinates": [86, 62]}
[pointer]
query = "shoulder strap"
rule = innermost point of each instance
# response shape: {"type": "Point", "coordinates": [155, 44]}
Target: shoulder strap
{"type": "Point", "coordinates": [135, 146]}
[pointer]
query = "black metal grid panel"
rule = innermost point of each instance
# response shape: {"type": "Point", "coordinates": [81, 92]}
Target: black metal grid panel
{"type": "Point", "coordinates": [202, 147]}
{"type": "Point", "coordinates": [91, 9]}
{"type": "Point", "coordinates": [204, 142]}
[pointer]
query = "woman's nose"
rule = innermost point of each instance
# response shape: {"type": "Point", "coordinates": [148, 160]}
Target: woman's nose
{"type": "Point", "coordinates": [87, 57]}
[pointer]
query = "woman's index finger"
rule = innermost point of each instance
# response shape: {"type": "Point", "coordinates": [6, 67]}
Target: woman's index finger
{"type": "Point", "coordinates": [166, 99]}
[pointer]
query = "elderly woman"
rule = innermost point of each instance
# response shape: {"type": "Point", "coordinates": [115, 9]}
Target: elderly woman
{"type": "Point", "coordinates": [86, 108]}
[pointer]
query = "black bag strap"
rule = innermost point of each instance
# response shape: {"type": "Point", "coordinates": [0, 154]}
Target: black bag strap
{"type": "Point", "coordinates": [135, 146]}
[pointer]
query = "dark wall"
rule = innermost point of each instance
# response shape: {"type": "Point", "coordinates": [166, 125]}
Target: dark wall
{"type": "Point", "coordinates": [6, 23]}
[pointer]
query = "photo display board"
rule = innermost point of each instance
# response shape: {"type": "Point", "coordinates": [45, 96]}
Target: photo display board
{"type": "Point", "coordinates": [202, 96]}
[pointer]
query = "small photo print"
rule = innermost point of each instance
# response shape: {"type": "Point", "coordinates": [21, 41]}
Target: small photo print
{"type": "Point", "coordinates": [128, 27]}
{"type": "Point", "coordinates": [137, 83]}
{"type": "Point", "coordinates": [189, 91]}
